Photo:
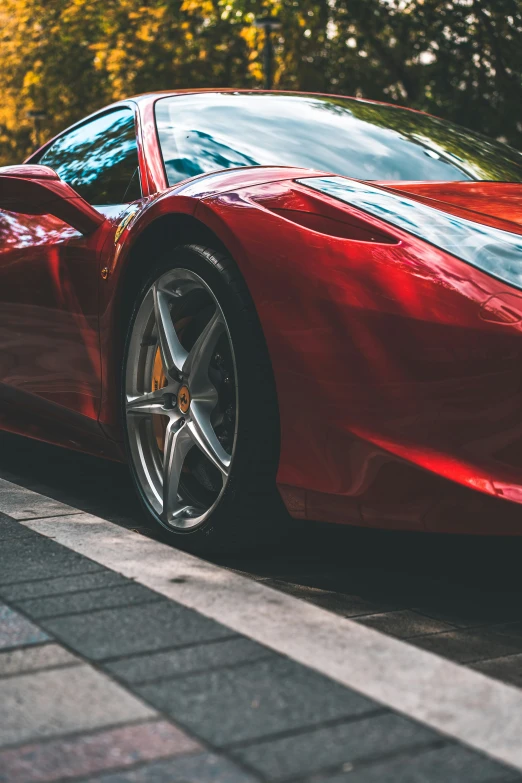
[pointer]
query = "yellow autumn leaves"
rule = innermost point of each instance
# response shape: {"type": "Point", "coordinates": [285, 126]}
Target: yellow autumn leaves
{"type": "Point", "coordinates": [62, 59]}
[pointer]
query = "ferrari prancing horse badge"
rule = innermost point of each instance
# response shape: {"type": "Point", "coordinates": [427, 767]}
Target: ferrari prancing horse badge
{"type": "Point", "coordinates": [124, 223]}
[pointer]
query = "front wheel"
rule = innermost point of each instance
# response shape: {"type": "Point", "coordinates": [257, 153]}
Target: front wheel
{"type": "Point", "coordinates": [200, 411]}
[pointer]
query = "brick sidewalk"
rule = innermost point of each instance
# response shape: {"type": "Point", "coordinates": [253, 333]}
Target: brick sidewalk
{"type": "Point", "coordinates": [102, 679]}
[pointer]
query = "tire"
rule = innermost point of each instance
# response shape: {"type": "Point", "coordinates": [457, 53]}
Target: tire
{"type": "Point", "coordinates": [203, 444]}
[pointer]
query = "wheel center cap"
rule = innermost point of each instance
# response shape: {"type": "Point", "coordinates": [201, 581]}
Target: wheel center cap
{"type": "Point", "coordinates": [184, 399]}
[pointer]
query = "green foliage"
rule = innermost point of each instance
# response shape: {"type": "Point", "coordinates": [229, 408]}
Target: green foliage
{"type": "Point", "coordinates": [459, 59]}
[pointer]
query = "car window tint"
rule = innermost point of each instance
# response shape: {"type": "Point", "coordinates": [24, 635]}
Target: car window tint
{"type": "Point", "coordinates": [354, 138]}
{"type": "Point", "coordinates": [99, 159]}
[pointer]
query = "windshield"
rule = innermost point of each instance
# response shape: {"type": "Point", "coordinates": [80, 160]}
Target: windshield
{"type": "Point", "coordinates": [211, 131]}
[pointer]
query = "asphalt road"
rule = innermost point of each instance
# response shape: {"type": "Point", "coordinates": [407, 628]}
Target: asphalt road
{"type": "Point", "coordinates": [458, 597]}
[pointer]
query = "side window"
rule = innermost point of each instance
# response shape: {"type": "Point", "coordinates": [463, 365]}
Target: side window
{"type": "Point", "coordinates": [99, 159]}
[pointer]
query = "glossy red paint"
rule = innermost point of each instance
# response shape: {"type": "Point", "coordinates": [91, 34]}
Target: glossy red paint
{"type": "Point", "coordinates": [48, 320]}
{"type": "Point", "coordinates": [50, 378]}
{"type": "Point", "coordinates": [496, 204]}
{"type": "Point", "coordinates": [41, 192]}
{"type": "Point", "coordinates": [398, 367]}
{"type": "Point", "coordinates": [383, 362]}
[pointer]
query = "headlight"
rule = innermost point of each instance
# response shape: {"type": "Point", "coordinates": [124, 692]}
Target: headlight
{"type": "Point", "coordinates": [497, 252]}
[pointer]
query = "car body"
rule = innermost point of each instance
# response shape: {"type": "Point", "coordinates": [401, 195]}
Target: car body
{"type": "Point", "coordinates": [397, 364]}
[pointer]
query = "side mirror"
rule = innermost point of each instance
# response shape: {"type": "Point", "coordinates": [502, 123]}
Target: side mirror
{"type": "Point", "coordinates": [38, 190]}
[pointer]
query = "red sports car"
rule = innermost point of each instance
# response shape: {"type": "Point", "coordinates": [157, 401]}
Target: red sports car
{"type": "Point", "coordinates": [261, 296]}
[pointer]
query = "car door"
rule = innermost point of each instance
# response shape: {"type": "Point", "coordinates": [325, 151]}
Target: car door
{"type": "Point", "coordinates": [49, 273]}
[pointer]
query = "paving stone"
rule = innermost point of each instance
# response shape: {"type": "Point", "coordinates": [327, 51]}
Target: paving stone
{"type": "Point", "coordinates": [508, 669]}
{"type": "Point", "coordinates": [349, 742]}
{"type": "Point", "coordinates": [28, 659]}
{"type": "Point", "coordinates": [508, 629]}
{"type": "Point", "coordinates": [93, 577]}
{"type": "Point", "coordinates": [449, 764]}
{"type": "Point", "coordinates": [36, 557]}
{"type": "Point", "coordinates": [103, 598]}
{"type": "Point", "coordinates": [91, 753]}
{"type": "Point", "coordinates": [348, 605]}
{"type": "Point", "coordinates": [154, 666]}
{"type": "Point", "coordinates": [254, 701]}
{"type": "Point", "coordinates": [134, 629]}
{"type": "Point", "coordinates": [196, 768]}
{"type": "Point", "coordinates": [9, 529]}
{"type": "Point", "coordinates": [59, 701]}
{"type": "Point", "coordinates": [16, 630]}
{"type": "Point", "coordinates": [466, 646]}
{"type": "Point", "coordinates": [475, 612]}
{"type": "Point", "coordinates": [20, 503]}
{"type": "Point", "coordinates": [404, 624]}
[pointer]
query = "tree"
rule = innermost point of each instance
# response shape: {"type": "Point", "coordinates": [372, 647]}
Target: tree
{"type": "Point", "coordinates": [460, 59]}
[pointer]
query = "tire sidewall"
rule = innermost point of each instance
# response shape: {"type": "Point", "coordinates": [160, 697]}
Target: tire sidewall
{"type": "Point", "coordinates": [252, 434]}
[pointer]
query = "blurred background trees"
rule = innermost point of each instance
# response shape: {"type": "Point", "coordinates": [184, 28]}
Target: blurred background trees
{"type": "Point", "coordinates": [61, 59]}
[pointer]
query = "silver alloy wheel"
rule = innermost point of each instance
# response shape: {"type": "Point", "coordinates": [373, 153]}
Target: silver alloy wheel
{"type": "Point", "coordinates": [184, 476]}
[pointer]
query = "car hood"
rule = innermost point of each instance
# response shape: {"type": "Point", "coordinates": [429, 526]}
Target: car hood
{"type": "Point", "coordinates": [496, 204]}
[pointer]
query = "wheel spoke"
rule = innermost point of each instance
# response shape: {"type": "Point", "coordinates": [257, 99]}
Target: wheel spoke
{"type": "Point", "coordinates": [171, 447]}
{"type": "Point", "coordinates": [178, 442]}
{"type": "Point", "coordinates": [205, 438]}
{"type": "Point", "coordinates": [151, 402]}
{"type": "Point", "coordinates": [198, 360]}
{"type": "Point", "coordinates": [173, 355]}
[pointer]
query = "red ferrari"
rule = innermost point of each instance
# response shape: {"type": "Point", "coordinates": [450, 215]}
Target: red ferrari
{"type": "Point", "coordinates": [261, 296]}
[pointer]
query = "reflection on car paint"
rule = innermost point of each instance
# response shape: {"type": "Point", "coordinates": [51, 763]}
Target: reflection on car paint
{"type": "Point", "coordinates": [497, 252]}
